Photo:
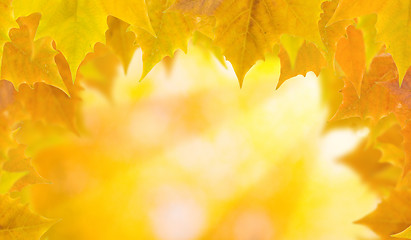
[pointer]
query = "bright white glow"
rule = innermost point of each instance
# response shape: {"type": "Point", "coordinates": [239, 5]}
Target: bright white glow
{"type": "Point", "coordinates": [177, 216]}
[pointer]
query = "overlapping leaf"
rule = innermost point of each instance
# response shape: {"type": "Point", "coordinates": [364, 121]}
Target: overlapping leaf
{"type": "Point", "coordinates": [19, 162]}
{"type": "Point", "coordinates": [75, 25]}
{"type": "Point", "coordinates": [172, 29]}
{"type": "Point", "coordinates": [375, 101]}
{"type": "Point", "coordinates": [247, 30]}
{"type": "Point", "coordinates": [6, 23]}
{"type": "Point", "coordinates": [17, 222]}
{"type": "Point", "coordinates": [28, 61]}
{"type": "Point", "coordinates": [309, 58]}
{"type": "Point", "coordinates": [120, 40]}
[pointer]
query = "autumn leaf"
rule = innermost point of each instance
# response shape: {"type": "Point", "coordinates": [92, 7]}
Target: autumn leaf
{"type": "Point", "coordinates": [203, 7]}
{"type": "Point", "coordinates": [372, 47]}
{"type": "Point", "coordinates": [42, 102]}
{"type": "Point", "coordinates": [309, 58]}
{"type": "Point", "coordinates": [47, 103]}
{"type": "Point", "coordinates": [349, 9]}
{"type": "Point", "coordinates": [350, 55]}
{"type": "Point", "coordinates": [133, 12]}
{"type": "Point", "coordinates": [404, 234]}
{"type": "Point", "coordinates": [9, 113]}
{"type": "Point", "coordinates": [28, 61]}
{"type": "Point", "coordinates": [172, 29]}
{"type": "Point", "coordinates": [391, 216]}
{"type": "Point", "coordinates": [402, 96]}
{"type": "Point", "coordinates": [206, 43]}
{"type": "Point", "coordinates": [395, 36]}
{"type": "Point", "coordinates": [6, 23]}
{"type": "Point", "coordinates": [75, 26]}
{"type": "Point", "coordinates": [247, 30]}
{"type": "Point", "coordinates": [331, 33]}
{"type": "Point", "coordinates": [120, 40]}
{"type": "Point", "coordinates": [8, 180]}
{"type": "Point", "coordinates": [390, 143]}
{"type": "Point", "coordinates": [406, 131]}
{"type": "Point", "coordinates": [394, 29]}
{"type": "Point", "coordinates": [19, 162]}
{"type": "Point", "coordinates": [99, 69]}
{"type": "Point", "coordinates": [375, 101]}
{"type": "Point", "coordinates": [17, 222]}
{"type": "Point", "coordinates": [365, 160]}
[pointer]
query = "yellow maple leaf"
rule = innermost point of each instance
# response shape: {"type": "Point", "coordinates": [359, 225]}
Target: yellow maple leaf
{"type": "Point", "coordinates": [172, 29]}
{"type": "Point", "coordinates": [17, 222]}
{"type": "Point", "coordinates": [133, 12]}
{"type": "Point", "coordinates": [309, 58]}
{"type": "Point", "coordinates": [28, 61]}
{"type": "Point", "coordinates": [349, 9]}
{"type": "Point", "coordinates": [395, 36]}
{"type": "Point", "coordinates": [6, 23]}
{"type": "Point", "coordinates": [19, 162]}
{"type": "Point", "coordinates": [75, 26]}
{"type": "Point", "coordinates": [120, 40]}
{"type": "Point", "coordinates": [246, 30]}
{"type": "Point", "coordinates": [366, 24]}
{"type": "Point", "coordinates": [331, 33]}
{"type": "Point", "coordinates": [99, 69]}
{"type": "Point", "coordinates": [394, 29]}
{"type": "Point", "coordinates": [206, 43]}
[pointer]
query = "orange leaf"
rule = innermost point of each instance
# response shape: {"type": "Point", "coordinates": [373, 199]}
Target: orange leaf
{"type": "Point", "coordinates": [391, 216]}
{"type": "Point", "coordinates": [350, 55]}
{"type": "Point", "coordinates": [375, 101]}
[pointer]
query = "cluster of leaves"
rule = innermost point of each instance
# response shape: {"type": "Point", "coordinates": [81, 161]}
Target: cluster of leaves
{"type": "Point", "coordinates": [48, 48]}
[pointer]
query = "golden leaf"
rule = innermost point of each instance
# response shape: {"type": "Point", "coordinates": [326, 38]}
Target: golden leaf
{"type": "Point", "coordinates": [391, 216]}
{"type": "Point", "coordinates": [172, 29]}
{"type": "Point", "coordinates": [29, 61]}
{"type": "Point", "coordinates": [120, 40]}
{"type": "Point", "coordinates": [17, 222]}
{"type": "Point", "coordinates": [309, 58]}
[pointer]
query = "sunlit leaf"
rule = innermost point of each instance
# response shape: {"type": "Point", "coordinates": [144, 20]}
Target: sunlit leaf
{"type": "Point", "coordinates": [17, 222]}
{"type": "Point", "coordinates": [29, 61]}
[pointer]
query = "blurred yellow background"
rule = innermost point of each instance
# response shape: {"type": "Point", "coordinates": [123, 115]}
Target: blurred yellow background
{"type": "Point", "coordinates": [186, 154]}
